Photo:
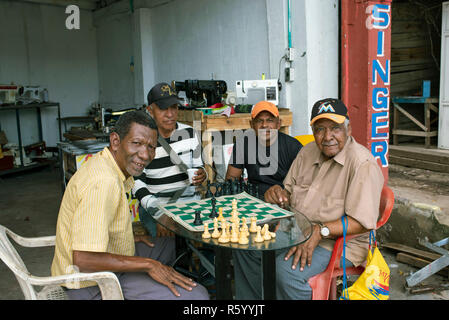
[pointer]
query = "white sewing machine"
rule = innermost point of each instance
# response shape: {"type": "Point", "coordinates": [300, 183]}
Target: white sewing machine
{"type": "Point", "coordinates": [31, 94]}
{"type": "Point", "coordinates": [269, 87]}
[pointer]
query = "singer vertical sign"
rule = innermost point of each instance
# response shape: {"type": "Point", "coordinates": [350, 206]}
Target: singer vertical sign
{"type": "Point", "coordinates": [379, 34]}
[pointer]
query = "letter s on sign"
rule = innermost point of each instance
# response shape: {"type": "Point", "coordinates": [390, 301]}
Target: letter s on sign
{"type": "Point", "coordinates": [379, 17]}
{"type": "Point", "coordinates": [73, 20]}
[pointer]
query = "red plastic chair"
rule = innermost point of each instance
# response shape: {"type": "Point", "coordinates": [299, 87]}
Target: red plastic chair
{"type": "Point", "coordinates": [324, 285]}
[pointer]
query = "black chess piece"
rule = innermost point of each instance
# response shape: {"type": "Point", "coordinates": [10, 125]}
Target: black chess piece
{"type": "Point", "coordinates": [250, 188]}
{"type": "Point", "coordinates": [226, 188]}
{"type": "Point", "coordinates": [218, 189]}
{"type": "Point", "coordinates": [198, 220]}
{"type": "Point", "coordinates": [234, 186]}
{"type": "Point", "coordinates": [208, 192]}
{"type": "Point", "coordinates": [213, 212]}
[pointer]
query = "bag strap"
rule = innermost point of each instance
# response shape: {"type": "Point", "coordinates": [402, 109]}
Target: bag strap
{"type": "Point", "coordinates": [345, 295]}
{"type": "Point", "coordinates": [371, 235]}
{"type": "Point", "coordinates": [173, 155]}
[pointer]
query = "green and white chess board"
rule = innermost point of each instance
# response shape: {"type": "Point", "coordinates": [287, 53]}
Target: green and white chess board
{"type": "Point", "coordinates": [247, 206]}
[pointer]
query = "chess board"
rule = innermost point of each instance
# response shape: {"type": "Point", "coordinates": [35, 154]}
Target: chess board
{"type": "Point", "coordinates": [247, 206]}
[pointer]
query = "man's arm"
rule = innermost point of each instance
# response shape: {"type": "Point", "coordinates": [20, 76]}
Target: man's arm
{"type": "Point", "coordinates": [100, 261]}
{"type": "Point", "coordinates": [233, 172]}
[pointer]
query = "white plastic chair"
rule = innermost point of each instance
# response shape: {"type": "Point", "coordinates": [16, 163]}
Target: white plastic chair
{"type": "Point", "coordinates": [107, 281]}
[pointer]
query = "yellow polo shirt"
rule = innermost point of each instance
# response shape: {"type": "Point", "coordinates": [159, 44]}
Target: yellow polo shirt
{"type": "Point", "coordinates": [94, 215]}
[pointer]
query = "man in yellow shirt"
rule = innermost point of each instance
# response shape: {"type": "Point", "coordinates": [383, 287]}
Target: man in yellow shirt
{"type": "Point", "coordinates": [94, 228]}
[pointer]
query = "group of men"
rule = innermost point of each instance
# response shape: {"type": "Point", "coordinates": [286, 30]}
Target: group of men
{"type": "Point", "coordinates": [324, 180]}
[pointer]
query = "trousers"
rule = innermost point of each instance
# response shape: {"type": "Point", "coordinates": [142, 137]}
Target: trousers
{"type": "Point", "coordinates": [139, 285]}
{"type": "Point", "coordinates": [291, 284]}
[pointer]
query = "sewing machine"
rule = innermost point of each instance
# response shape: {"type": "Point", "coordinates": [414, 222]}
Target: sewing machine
{"type": "Point", "coordinates": [30, 94]}
{"type": "Point", "coordinates": [269, 87]}
{"type": "Point", "coordinates": [201, 93]}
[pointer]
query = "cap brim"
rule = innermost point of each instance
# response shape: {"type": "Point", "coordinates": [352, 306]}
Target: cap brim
{"type": "Point", "coordinates": [334, 117]}
{"type": "Point", "coordinates": [167, 102]}
{"type": "Point", "coordinates": [255, 114]}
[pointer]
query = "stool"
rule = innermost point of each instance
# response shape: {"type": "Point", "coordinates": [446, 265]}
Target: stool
{"type": "Point", "coordinates": [428, 104]}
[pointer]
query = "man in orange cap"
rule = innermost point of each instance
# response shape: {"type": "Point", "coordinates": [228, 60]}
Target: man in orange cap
{"type": "Point", "coordinates": [267, 161]}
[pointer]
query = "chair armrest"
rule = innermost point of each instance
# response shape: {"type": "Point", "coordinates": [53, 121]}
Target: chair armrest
{"type": "Point", "coordinates": [107, 281]}
{"type": "Point", "coordinates": [32, 242]}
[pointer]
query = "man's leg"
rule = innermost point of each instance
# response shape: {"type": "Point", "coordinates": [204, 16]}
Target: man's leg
{"type": "Point", "coordinates": [292, 284]}
{"type": "Point", "coordinates": [139, 285]}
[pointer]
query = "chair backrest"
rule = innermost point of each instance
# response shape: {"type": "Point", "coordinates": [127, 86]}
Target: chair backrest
{"type": "Point", "coordinates": [305, 138]}
{"type": "Point", "coordinates": [386, 206]}
{"type": "Point", "coordinates": [10, 256]}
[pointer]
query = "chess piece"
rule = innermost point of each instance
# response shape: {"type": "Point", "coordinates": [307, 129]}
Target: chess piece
{"type": "Point", "coordinates": [227, 188]}
{"type": "Point", "coordinates": [224, 238]}
{"type": "Point", "coordinates": [220, 214]}
{"type": "Point", "coordinates": [253, 226]}
{"type": "Point", "coordinates": [266, 233]}
{"type": "Point", "coordinates": [243, 237]}
{"type": "Point", "coordinates": [216, 233]}
{"type": "Point", "coordinates": [258, 237]}
{"type": "Point", "coordinates": [213, 212]}
{"type": "Point", "coordinates": [235, 233]}
{"type": "Point", "coordinates": [206, 234]}
{"type": "Point", "coordinates": [234, 186]}
{"type": "Point", "coordinates": [198, 220]}
{"type": "Point", "coordinates": [208, 192]}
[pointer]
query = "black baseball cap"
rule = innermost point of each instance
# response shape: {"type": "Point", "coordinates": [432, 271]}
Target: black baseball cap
{"type": "Point", "coordinates": [163, 95]}
{"type": "Point", "coordinates": [332, 109]}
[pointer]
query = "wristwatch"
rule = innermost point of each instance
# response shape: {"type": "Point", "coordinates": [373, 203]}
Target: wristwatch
{"type": "Point", "coordinates": [324, 231]}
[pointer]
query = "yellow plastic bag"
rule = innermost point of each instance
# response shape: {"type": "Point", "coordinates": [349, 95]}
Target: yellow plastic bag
{"type": "Point", "coordinates": [374, 282]}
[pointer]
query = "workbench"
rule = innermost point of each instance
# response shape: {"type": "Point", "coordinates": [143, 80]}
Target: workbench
{"type": "Point", "coordinates": [211, 123]}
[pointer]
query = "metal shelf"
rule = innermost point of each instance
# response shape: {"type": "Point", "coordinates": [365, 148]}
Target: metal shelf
{"type": "Point", "coordinates": [38, 107]}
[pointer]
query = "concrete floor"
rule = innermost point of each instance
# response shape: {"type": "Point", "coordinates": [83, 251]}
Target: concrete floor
{"type": "Point", "coordinates": [29, 204]}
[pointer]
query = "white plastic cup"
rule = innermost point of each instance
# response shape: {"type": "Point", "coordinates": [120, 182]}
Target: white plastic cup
{"type": "Point", "coordinates": [191, 174]}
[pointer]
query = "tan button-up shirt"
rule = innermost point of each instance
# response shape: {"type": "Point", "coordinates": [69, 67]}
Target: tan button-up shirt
{"type": "Point", "coordinates": [323, 190]}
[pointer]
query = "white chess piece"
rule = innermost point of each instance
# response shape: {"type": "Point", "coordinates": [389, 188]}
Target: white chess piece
{"type": "Point", "coordinates": [243, 236]}
{"type": "Point", "coordinates": [258, 237]}
{"type": "Point", "coordinates": [224, 238]}
{"type": "Point", "coordinates": [206, 234]}
{"type": "Point", "coordinates": [253, 226]}
{"type": "Point", "coordinates": [266, 233]}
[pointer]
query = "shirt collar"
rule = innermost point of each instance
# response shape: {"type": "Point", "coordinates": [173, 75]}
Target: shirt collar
{"type": "Point", "coordinates": [339, 158]}
{"type": "Point", "coordinates": [127, 182]}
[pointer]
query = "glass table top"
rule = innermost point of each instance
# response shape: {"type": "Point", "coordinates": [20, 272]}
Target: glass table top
{"type": "Point", "coordinates": [290, 231]}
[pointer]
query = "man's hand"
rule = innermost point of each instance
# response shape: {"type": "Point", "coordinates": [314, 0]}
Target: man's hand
{"type": "Point", "coordinates": [305, 250]}
{"type": "Point", "coordinates": [275, 194]}
{"type": "Point", "coordinates": [145, 239]}
{"type": "Point", "coordinates": [199, 177]}
{"type": "Point", "coordinates": [169, 277]}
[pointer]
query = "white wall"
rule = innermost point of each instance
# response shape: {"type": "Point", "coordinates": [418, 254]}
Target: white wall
{"type": "Point", "coordinates": [194, 39]}
{"type": "Point", "coordinates": [115, 54]}
{"type": "Point", "coordinates": [37, 49]}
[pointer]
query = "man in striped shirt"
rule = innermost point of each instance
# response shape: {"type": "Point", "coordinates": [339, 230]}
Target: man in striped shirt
{"type": "Point", "coordinates": [162, 173]}
{"type": "Point", "coordinates": [94, 230]}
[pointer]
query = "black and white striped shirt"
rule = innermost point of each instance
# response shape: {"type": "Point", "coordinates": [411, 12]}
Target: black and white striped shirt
{"type": "Point", "coordinates": [162, 174]}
